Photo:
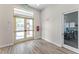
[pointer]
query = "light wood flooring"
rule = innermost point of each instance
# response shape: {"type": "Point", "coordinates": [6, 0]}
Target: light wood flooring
{"type": "Point", "coordinates": [38, 46]}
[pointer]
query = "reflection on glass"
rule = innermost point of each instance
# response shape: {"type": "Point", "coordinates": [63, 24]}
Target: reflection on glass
{"type": "Point", "coordinates": [19, 23]}
{"type": "Point", "coordinates": [19, 35]}
{"type": "Point", "coordinates": [66, 25]}
{"type": "Point", "coordinates": [72, 24]}
{"type": "Point", "coordinates": [29, 34]}
{"type": "Point", "coordinates": [29, 24]}
{"type": "Point", "coordinates": [71, 29]}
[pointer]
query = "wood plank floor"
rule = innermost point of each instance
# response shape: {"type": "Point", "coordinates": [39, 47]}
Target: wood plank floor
{"type": "Point", "coordinates": [38, 46]}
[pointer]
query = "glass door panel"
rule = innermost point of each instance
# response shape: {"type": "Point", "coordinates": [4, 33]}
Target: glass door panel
{"type": "Point", "coordinates": [19, 24]}
{"type": "Point", "coordinates": [29, 34]}
{"type": "Point", "coordinates": [29, 28]}
{"type": "Point", "coordinates": [19, 35]}
{"type": "Point", "coordinates": [71, 29]}
{"type": "Point", "coordinates": [29, 24]}
{"type": "Point", "coordinates": [19, 28]}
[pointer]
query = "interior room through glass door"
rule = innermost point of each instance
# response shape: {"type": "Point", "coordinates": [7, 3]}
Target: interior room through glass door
{"type": "Point", "coordinates": [23, 28]}
{"type": "Point", "coordinates": [71, 29]}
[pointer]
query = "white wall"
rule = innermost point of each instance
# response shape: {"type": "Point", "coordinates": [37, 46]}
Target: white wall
{"type": "Point", "coordinates": [52, 22]}
{"type": "Point", "coordinates": [6, 23]}
{"type": "Point", "coordinates": [6, 17]}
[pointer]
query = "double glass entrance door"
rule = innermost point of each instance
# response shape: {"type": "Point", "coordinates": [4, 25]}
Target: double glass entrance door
{"type": "Point", "coordinates": [23, 28]}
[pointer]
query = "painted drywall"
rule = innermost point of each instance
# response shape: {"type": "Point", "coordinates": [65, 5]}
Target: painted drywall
{"type": "Point", "coordinates": [7, 25]}
{"type": "Point", "coordinates": [52, 22]}
{"type": "Point", "coordinates": [6, 17]}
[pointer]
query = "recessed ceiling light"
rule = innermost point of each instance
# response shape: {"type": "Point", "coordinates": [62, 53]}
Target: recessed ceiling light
{"type": "Point", "coordinates": [37, 4]}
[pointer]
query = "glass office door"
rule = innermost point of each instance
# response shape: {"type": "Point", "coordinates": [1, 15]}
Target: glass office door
{"type": "Point", "coordinates": [71, 29]}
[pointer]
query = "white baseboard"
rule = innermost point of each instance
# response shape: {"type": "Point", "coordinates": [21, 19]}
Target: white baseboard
{"type": "Point", "coordinates": [37, 38]}
{"type": "Point", "coordinates": [52, 42]}
{"type": "Point", "coordinates": [71, 48]}
{"type": "Point", "coordinates": [6, 45]}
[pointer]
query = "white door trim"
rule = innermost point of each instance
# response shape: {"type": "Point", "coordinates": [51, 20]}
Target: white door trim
{"type": "Point", "coordinates": [67, 46]}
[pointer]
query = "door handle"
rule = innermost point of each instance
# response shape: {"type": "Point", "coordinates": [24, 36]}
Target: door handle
{"type": "Point", "coordinates": [25, 30]}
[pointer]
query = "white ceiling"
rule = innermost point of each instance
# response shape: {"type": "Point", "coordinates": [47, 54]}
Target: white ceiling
{"type": "Point", "coordinates": [38, 6]}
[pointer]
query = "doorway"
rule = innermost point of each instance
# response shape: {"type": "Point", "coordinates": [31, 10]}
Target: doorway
{"type": "Point", "coordinates": [71, 30]}
{"type": "Point", "coordinates": [24, 28]}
